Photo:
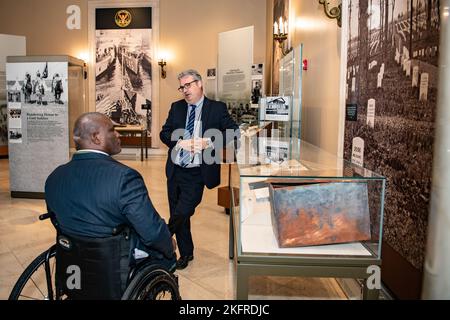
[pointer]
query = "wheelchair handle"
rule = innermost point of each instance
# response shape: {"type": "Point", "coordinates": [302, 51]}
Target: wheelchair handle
{"type": "Point", "coordinates": [45, 216]}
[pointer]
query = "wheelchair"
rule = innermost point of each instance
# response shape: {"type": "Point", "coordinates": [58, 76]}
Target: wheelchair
{"type": "Point", "coordinates": [78, 268]}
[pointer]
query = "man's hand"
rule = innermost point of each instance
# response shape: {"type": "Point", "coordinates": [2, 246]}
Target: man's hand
{"type": "Point", "coordinates": [187, 145]}
{"type": "Point", "coordinates": [194, 145]}
{"type": "Point", "coordinates": [200, 144]}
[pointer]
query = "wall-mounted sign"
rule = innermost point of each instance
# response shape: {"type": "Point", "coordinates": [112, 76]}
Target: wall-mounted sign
{"type": "Point", "coordinates": [123, 18]}
{"type": "Point", "coordinates": [351, 112]}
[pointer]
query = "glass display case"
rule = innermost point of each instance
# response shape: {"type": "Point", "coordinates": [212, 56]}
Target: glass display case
{"type": "Point", "coordinates": [307, 214]}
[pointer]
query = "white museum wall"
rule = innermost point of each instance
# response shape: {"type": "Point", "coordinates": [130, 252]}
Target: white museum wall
{"type": "Point", "coordinates": [321, 100]}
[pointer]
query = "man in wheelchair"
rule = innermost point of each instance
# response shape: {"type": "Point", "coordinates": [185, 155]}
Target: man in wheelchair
{"type": "Point", "coordinates": [108, 230]}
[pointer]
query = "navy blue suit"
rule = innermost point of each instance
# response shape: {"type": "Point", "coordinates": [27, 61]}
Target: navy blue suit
{"type": "Point", "coordinates": [93, 193]}
{"type": "Point", "coordinates": [185, 185]}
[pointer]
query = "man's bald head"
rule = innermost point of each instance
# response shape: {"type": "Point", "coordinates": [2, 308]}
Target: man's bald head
{"type": "Point", "coordinates": [94, 130]}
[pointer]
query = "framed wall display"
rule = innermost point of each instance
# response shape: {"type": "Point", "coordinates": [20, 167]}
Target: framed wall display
{"type": "Point", "coordinates": [211, 73]}
{"type": "Point", "coordinates": [124, 39]}
{"type": "Point", "coordinates": [257, 83]}
{"type": "Point", "coordinates": [211, 83]}
{"type": "Point", "coordinates": [234, 66]}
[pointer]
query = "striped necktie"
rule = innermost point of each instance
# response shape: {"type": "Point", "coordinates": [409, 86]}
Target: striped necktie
{"type": "Point", "coordinates": [185, 157]}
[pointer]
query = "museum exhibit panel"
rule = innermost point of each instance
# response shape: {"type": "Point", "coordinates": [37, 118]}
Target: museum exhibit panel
{"type": "Point", "coordinates": [312, 215]}
{"type": "Point", "coordinates": [10, 45]}
{"type": "Point", "coordinates": [45, 96]}
{"type": "Point", "coordinates": [284, 110]}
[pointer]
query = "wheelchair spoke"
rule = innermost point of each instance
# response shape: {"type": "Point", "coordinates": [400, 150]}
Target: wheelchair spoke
{"type": "Point", "coordinates": [27, 297]}
{"type": "Point", "coordinates": [32, 283]}
{"type": "Point", "coordinates": [37, 287]}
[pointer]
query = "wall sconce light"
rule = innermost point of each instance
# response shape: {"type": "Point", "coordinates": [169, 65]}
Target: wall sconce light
{"type": "Point", "coordinates": [333, 13]}
{"type": "Point", "coordinates": [162, 63]}
{"type": "Point", "coordinates": [280, 34]}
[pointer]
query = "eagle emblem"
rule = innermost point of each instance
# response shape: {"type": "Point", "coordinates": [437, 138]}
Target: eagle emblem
{"type": "Point", "coordinates": [123, 18]}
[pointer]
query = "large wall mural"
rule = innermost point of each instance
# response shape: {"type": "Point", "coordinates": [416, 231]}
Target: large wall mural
{"type": "Point", "coordinates": [391, 84]}
{"type": "Point", "coordinates": [123, 64]}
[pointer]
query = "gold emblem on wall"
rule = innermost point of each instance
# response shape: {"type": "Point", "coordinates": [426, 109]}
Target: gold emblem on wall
{"type": "Point", "coordinates": [123, 18]}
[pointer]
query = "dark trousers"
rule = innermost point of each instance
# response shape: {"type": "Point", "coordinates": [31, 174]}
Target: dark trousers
{"type": "Point", "coordinates": [185, 191]}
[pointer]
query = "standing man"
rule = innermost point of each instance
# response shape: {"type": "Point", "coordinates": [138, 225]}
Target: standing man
{"type": "Point", "coordinates": [187, 172]}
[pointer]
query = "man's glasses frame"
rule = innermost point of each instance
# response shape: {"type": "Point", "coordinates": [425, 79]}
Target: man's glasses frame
{"type": "Point", "coordinates": [186, 85]}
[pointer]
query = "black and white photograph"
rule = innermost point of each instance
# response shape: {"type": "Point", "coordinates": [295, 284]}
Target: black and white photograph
{"type": "Point", "coordinates": [276, 154]}
{"type": "Point", "coordinates": [211, 73]}
{"type": "Point", "coordinates": [14, 93]}
{"type": "Point", "coordinates": [256, 91]}
{"type": "Point", "coordinates": [124, 71]}
{"type": "Point", "coordinates": [274, 151]}
{"type": "Point", "coordinates": [277, 109]}
{"type": "Point", "coordinates": [242, 112]}
{"type": "Point", "coordinates": [2, 85]}
{"type": "Point", "coordinates": [15, 135]}
{"type": "Point", "coordinates": [392, 69]}
{"type": "Point", "coordinates": [37, 83]}
{"type": "Point", "coordinates": [257, 69]}
{"type": "Point", "coordinates": [15, 113]}
{"type": "Point", "coordinates": [15, 119]}
{"type": "Point", "coordinates": [3, 123]}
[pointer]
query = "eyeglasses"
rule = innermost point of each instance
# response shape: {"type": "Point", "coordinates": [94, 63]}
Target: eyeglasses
{"type": "Point", "coordinates": [186, 85]}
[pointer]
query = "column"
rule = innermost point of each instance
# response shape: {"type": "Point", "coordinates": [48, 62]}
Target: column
{"type": "Point", "coordinates": [436, 283]}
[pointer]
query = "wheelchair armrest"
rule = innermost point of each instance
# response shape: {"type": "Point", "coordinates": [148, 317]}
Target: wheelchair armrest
{"type": "Point", "coordinates": [45, 216]}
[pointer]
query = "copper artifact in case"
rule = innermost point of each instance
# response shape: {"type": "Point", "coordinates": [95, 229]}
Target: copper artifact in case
{"type": "Point", "coordinates": [319, 213]}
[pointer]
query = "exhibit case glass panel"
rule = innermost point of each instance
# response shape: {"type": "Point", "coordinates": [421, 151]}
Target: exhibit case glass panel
{"type": "Point", "coordinates": [284, 109]}
{"type": "Point", "coordinates": [308, 204]}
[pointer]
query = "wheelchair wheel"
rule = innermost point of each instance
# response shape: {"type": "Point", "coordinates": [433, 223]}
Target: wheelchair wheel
{"type": "Point", "coordinates": [152, 283]}
{"type": "Point", "coordinates": [34, 283]}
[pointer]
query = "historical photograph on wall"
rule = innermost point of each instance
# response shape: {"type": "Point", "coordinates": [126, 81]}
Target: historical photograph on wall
{"type": "Point", "coordinates": [391, 89]}
{"type": "Point", "coordinates": [257, 83]}
{"type": "Point", "coordinates": [210, 84]}
{"type": "Point", "coordinates": [3, 123]}
{"type": "Point", "coordinates": [37, 84]}
{"type": "Point", "coordinates": [124, 55]}
{"type": "Point", "coordinates": [3, 111]}
{"type": "Point", "coordinates": [242, 112]}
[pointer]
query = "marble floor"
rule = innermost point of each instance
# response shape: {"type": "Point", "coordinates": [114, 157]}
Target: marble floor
{"type": "Point", "coordinates": [210, 275]}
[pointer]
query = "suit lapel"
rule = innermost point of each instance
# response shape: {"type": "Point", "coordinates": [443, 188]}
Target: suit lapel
{"type": "Point", "coordinates": [183, 113]}
{"type": "Point", "coordinates": [205, 113]}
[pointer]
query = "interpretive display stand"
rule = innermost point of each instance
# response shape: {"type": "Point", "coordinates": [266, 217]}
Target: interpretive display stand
{"type": "Point", "coordinates": [293, 219]}
{"type": "Point", "coordinates": [45, 96]}
{"type": "Point", "coordinates": [136, 130]}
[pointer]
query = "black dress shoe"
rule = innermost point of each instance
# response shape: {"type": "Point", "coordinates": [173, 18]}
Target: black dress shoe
{"type": "Point", "coordinates": [184, 261]}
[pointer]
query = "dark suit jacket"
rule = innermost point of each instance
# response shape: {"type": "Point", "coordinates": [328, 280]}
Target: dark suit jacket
{"type": "Point", "coordinates": [93, 193]}
{"type": "Point", "coordinates": [214, 116]}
